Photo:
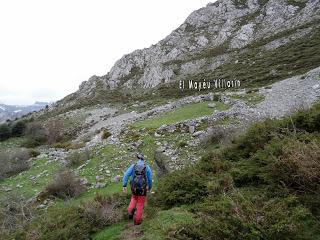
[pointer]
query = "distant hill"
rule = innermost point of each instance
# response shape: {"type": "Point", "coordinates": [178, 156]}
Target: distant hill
{"type": "Point", "coordinates": [16, 111]}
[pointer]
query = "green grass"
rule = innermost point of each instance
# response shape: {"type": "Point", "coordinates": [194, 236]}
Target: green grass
{"type": "Point", "coordinates": [187, 112]}
{"type": "Point", "coordinates": [165, 221]}
{"type": "Point", "coordinates": [112, 232]}
{"type": "Point", "coordinates": [30, 187]}
{"type": "Point", "coordinates": [228, 121]}
{"type": "Point", "coordinates": [11, 143]}
{"type": "Point", "coordinates": [251, 99]}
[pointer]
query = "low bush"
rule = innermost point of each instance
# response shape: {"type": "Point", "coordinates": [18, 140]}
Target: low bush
{"type": "Point", "coordinates": [55, 131]}
{"type": "Point", "coordinates": [104, 211]}
{"type": "Point", "coordinates": [34, 152]}
{"type": "Point", "coordinates": [76, 158]}
{"type": "Point", "coordinates": [161, 163]}
{"type": "Point", "coordinates": [298, 167]}
{"type": "Point", "coordinates": [235, 216]}
{"type": "Point", "coordinates": [66, 222]}
{"type": "Point", "coordinates": [182, 144]}
{"type": "Point", "coordinates": [15, 214]}
{"type": "Point", "coordinates": [264, 186]}
{"type": "Point", "coordinates": [76, 222]}
{"type": "Point", "coordinates": [215, 136]}
{"type": "Point", "coordinates": [65, 185]}
{"type": "Point", "coordinates": [75, 145]}
{"type": "Point", "coordinates": [36, 134]}
{"type": "Point", "coordinates": [4, 131]}
{"type": "Point", "coordinates": [18, 128]}
{"type": "Point", "coordinates": [13, 162]}
{"type": "Point", "coordinates": [181, 187]}
{"type": "Point", "coordinates": [106, 134]}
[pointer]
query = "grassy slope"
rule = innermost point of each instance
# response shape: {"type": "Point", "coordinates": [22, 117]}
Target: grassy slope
{"type": "Point", "coordinates": [114, 159]}
{"type": "Point", "coordinates": [187, 112]}
{"type": "Point", "coordinates": [244, 201]}
{"type": "Point", "coordinates": [159, 222]}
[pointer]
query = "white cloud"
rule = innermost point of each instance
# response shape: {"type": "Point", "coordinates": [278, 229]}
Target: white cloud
{"type": "Point", "coordinates": [49, 47]}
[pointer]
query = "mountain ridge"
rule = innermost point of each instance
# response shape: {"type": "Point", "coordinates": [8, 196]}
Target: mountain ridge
{"type": "Point", "coordinates": [212, 40]}
{"type": "Point", "coordinates": [10, 112]}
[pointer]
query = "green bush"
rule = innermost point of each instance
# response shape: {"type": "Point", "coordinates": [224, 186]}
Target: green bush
{"type": "Point", "coordinates": [235, 216]}
{"type": "Point", "coordinates": [104, 211]}
{"type": "Point", "coordinates": [13, 162]}
{"type": "Point", "coordinates": [262, 133]}
{"type": "Point", "coordinates": [308, 120]}
{"type": "Point", "coordinates": [12, 129]}
{"type": "Point", "coordinates": [65, 185]}
{"type": "Point", "coordinates": [76, 222]}
{"type": "Point", "coordinates": [264, 186]}
{"type": "Point", "coordinates": [182, 144]}
{"type": "Point", "coordinates": [34, 152]}
{"type": "Point", "coordinates": [181, 187]}
{"type": "Point", "coordinates": [105, 134]}
{"type": "Point", "coordinates": [4, 131]}
{"type": "Point", "coordinates": [36, 134]}
{"type": "Point", "coordinates": [253, 140]}
{"type": "Point", "coordinates": [59, 223]}
{"type": "Point", "coordinates": [76, 158]}
{"type": "Point", "coordinates": [18, 128]}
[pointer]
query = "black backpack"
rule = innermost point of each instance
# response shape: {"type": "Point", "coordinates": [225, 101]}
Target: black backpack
{"type": "Point", "coordinates": [139, 181]}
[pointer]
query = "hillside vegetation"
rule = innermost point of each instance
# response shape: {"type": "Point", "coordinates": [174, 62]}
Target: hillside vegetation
{"type": "Point", "coordinates": [265, 185]}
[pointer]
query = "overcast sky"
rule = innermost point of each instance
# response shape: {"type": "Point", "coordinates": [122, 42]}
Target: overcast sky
{"type": "Point", "coordinates": [47, 48]}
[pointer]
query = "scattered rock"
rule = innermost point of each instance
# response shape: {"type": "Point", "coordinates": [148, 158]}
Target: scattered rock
{"type": "Point", "coordinates": [100, 185]}
{"type": "Point", "coordinates": [117, 178]}
{"type": "Point", "coordinates": [198, 133]}
{"type": "Point", "coordinates": [157, 134]}
{"type": "Point", "coordinates": [212, 105]}
{"type": "Point", "coordinates": [192, 129]}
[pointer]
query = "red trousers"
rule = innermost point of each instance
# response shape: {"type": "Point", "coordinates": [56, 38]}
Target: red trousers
{"type": "Point", "coordinates": [137, 202]}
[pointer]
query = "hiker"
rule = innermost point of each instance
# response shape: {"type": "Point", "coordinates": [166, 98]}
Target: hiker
{"type": "Point", "coordinates": [140, 183]}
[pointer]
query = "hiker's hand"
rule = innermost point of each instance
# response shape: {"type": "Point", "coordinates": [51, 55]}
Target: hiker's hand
{"type": "Point", "coordinates": [124, 189]}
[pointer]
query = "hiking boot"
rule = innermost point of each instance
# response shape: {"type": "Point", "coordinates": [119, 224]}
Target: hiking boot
{"type": "Point", "coordinates": [137, 222]}
{"type": "Point", "coordinates": [131, 214]}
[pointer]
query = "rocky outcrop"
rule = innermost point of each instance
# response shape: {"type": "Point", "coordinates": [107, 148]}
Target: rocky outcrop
{"type": "Point", "coordinates": [229, 23]}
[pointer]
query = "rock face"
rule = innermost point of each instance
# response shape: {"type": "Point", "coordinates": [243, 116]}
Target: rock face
{"type": "Point", "coordinates": [225, 22]}
{"type": "Point", "coordinates": [212, 37]}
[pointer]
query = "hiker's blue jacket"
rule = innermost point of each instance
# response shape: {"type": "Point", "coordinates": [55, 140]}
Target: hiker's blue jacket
{"type": "Point", "coordinates": [129, 173]}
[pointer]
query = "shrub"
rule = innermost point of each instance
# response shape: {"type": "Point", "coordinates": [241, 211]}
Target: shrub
{"type": "Point", "coordinates": [234, 216]}
{"type": "Point", "coordinates": [308, 120]}
{"type": "Point", "coordinates": [13, 162]}
{"type": "Point", "coordinates": [214, 136]}
{"type": "Point", "coordinates": [18, 128]}
{"type": "Point", "coordinates": [34, 152]}
{"type": "Point", "coordinates": [182, 144]}
{"type": "Point", "coordinates": [257, 136]}
{"type": "Point", "coordinates": [298, 166]}
{"type": "Point", "coordinates": [75, 145]}
{"type": "Point", "coordinates": [4, 131]}
{"type": "Point", "coordinates": [76, 158]}
{"type": "Point", "coordinates": [55, 130]}
{"type": "Point", "coordinates": [36, 134]}
{"type": "Point", "coordinates": [66, 222]}
{"type": "Point", "coordinates": [181, 187]}
{"type": "Point", "coordinates": [15, 213]}
{"type": "Point", "coordinates": [161, 161]}
{"type": "Point", "coordinates": [104, 211]}
{"type": "Point", "coordinates": [65, 185]}
{"type": "Point", "coordinates": [76, 222]}
{"type": "Point", "coordinates": [105, 134]}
